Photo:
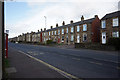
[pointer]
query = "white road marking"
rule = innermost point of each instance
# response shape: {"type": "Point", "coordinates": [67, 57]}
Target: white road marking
{"type": "Point", "coordinates": [76, 58]}
{"type": "Point", "coordinates": [95, 63]}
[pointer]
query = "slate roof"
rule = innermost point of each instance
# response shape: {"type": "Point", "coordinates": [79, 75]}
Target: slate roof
{"type": "Point", "coordinates": [69, 25]}
{"type": "Point", "coordinates": [110, 15]}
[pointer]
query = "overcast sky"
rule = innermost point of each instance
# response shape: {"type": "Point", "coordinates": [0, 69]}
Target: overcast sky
{"type": "Point", "coordinates": [22, 16]}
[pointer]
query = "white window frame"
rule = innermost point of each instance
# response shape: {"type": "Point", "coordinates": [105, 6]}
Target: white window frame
{"type": "Point", "coordinates": [72, 29]}
{"type": "Point", "coordinates": [49, 33]}
{"type": "Point", "coordinates": [55, 32]}
{"type": "Point", "coordinates": [78, 28]}
{"type": "Point", "coordinates": [52, 32]}
{"type": "Point", "coordinates": [62, 31]}
{"type": "Point", "coordinates": [103, 24]}
{"type": "Point", "coordinates": [84, 27]}
{"type": "Point", "coordinates": [115, 22]}
{"type": "Point", "coordinates": [115, 34]}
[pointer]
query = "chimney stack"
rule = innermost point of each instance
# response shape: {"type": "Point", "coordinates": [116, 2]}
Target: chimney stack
{"type": "Point", "coordinates": [41, 29]}
{"type": "Point", "coordinates": [57, 25]}
{"type": "Point", "coordinates": [96, 16]}
{"type": "Point", "coordinates": [44, 29]}
{"type": "Point", "coordinates": [71, 21]}
{"type": "Point", "coordinates": [82, 18]}
{"type": "Point", "coordinates": [63, 23]}
{"type": "Point", "coordinates": [51, 27]}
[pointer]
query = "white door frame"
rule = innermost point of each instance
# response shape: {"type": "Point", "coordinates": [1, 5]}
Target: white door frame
{"type": "Point", "coordinates": [103, 37]}
{"type": "Point", "coordinates": [78, 38]}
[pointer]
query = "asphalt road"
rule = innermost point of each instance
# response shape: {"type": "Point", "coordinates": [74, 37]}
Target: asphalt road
{"type": "Point", "coordinates": [81, 63]}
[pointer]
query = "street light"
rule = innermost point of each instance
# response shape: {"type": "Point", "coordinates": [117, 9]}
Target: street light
{"type": "Point", "coordinates": [45, 20]}
{"type": "Point", "coordinates": [45, 27]}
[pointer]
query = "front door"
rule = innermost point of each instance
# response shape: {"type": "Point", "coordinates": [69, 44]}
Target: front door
{"type": "Point", "coordinates": [103, 37]}
{"type": "Point", "coordinates": [67, 39]}
{"type": "Point", "coordinates": [78, 38]}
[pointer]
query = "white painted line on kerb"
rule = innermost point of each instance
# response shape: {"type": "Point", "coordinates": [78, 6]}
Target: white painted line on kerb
{"type": "Point", "coordinates": [67, 75]}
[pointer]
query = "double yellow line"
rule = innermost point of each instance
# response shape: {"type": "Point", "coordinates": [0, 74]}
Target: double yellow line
{"type": "Point", "coordinates": [67, 75]}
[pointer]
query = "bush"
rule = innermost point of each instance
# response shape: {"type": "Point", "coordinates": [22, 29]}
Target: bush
{"type": "Point", "coordinates": [49, 41]}
{"type": "Point", "coordinates": [114, 42]}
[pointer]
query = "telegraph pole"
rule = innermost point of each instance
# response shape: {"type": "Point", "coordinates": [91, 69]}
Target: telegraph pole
{"type": "Point", "coordinates": [1, 39]}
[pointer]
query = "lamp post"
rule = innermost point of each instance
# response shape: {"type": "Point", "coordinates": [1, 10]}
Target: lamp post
{"type": "Point", "coordinates": [45, 27]}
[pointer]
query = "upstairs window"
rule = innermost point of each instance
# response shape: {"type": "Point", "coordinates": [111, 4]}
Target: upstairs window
{"type": "Point", "coordinates": [115, 34]}
{"type": "Point", "coordinates": [72, 29]}
{"type": "Point", "coordinates": [66, 30]}
{"type": "Point", "coordinates": [78, 28]}
{"type": "Point", "coordinates": [85, 27]}
{"type": "Point", "coordinates": [115, 22]}
{"type": "Point", "coordinates": [62, 31]}
{"type": "Point", "coordinates": [49, 33]}
{"type": "Point", "coordinates": [52, 32]}
{"type": "Point", "coordinates": [58, 32]}
{"type": "Point", "coordinates": [103, 24]}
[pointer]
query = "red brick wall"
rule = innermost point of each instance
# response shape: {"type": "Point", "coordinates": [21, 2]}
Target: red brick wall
{"type": "Point", "coordinates": [96, 30]}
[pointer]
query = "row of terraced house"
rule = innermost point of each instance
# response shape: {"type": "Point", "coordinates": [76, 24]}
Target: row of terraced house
{"type": "Point", "coordinates": [85, 31]}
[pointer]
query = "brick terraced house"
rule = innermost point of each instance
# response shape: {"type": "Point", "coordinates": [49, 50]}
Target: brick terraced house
{"type": "Point", "coordinates": [110, 26]}
{"type": "Point", "coordinates": [84, 31]}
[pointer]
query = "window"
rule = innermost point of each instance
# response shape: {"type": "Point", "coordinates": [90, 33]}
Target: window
{"type": "Point", "coordinates": [58, 32]}
{"type": "Point", "coordinates": [78, 28]}
{"type": "Point", "coordinates": [84, 37]}
{"type": "Point", "coordinates": [44, 34]}
{"type": "Point", "coordinates": [115, 22]}
{"type": "Point", "coordinates": [52, 32]}
{"type": "Point", "coordinates": [72, 29]}
{"type": "Point", "coordinates": [62, 38]}
{"type": "Point", "coordinates": [49, 33]}
{"type": "Point", "coordinates": [115, 34]}
{"type": "Point", "coordinates": [55, 32]}
{"type": "Point", "coordinates": [72, 37]}
{"type": "Point", "coordinates": [62, 31]}
{"type": "Point", "coordinates": [66, 30]}
{"type": "Point", "coordinates": [85, 27]}
{"type": "Point", "coordinates": [103, 23]}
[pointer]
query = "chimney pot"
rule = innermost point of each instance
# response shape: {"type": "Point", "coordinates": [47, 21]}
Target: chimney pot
{"type": "Point", "coordinates": [44, 29]}
{"type": "Point", "coordinates": [71, 21]}
{"type": "Point", "coordinates": [82, 18]}
{"type": "Point", "coordinates": [96, 16]}
{"type": "Point", "coordinates": [41, 29]}
{"type": "Point", "coordinates": [57, 25]}
{"type": "Point", "coordinates": [51, 27]}
{"type": "Point", "coordinates": [63, 23]}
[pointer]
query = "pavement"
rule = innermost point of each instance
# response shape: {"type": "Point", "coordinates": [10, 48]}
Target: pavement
{"type": "Point", "coordinates": [22, 66]}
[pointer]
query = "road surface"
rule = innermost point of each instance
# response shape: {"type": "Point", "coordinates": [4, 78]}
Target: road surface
{"type": "Point", "coordinates": [81, 63]}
